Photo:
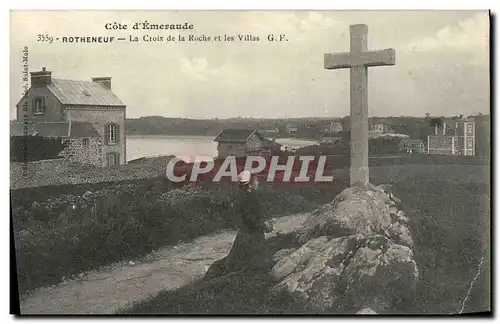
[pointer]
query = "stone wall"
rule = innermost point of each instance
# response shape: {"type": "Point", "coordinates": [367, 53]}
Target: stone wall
{"type": "Point", "coordinates": [89, 152]}
{"type": "Point", "coordinates": [62, 172]}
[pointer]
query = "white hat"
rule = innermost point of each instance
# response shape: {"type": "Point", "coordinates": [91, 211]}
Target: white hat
{"type": "Point", "coordinates": [244, 177]}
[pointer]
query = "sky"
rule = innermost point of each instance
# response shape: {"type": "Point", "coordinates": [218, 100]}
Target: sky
{"type": "Point", "coordinates": [442, 61]}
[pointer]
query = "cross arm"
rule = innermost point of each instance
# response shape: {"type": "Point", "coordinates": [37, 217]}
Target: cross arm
{"type": "Point", "coordinates": [338, 61]}
{"type": "Point", "coordinates": [371, 58]}
{"type": "Point", "coordinates": [379, 58]}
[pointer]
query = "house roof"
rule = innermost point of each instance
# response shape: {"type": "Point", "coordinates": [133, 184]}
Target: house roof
{"type": "Point", "coordinates": [392, 136]}
{"type": "Point", "coordinates": [270, 143]}
{"type": "Point", "coordinates": [236, 135]}
{"type": "Point", "coordinates": [54, 129]}
{"type": "Point", "coordinates": [73, 92]}
{"type": "Point", "coordinates": [331, 139]}
{"type": "Point", "coordinates": [83, 129]}
{"type": "Point", "coordinates": [410, 141]}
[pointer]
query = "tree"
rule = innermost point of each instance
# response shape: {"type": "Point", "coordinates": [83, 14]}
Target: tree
{"type": "Point", "coordinates": [435, 122]}
{"type": "Point", "coordinates": [427, 115]}
{"type": "Point", "coordinates": [35, 148]}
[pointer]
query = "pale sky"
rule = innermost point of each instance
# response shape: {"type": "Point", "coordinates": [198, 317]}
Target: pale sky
{"type": "Point", "coordinates": [442, 61]}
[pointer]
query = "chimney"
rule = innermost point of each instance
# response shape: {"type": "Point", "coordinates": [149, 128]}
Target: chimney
{"type": "Point", "coordinates": [41, 78]}
{"type": "Point", "coordinates": [104, 81]}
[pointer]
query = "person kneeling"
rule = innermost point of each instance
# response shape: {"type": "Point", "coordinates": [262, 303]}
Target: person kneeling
{"type": "Point", "coordinates": [248, 245]}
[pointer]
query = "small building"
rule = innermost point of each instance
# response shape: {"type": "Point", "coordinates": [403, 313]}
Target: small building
{"type": "Point", "coordinates": [291, 129]}
{"type": "Point", "coordinates": [241, 143]}
{"type": "Point", "coordinates": [336, 126]}
{"type": "Point", "coordinates": [377, 127]}
{"type": "Point", "coordinates": [330, 126]}
{"type": "Point", "coordinates": [394, 136]}
{"type": "Point", "coordinates": [83, 142]}
{"type": "Point", "coordinates": [323, 128]}
{"type": "Point", "coordinates": [378, 130]}
{"type": "Point", "coordinates": [412, 145]}
{"type": "Point", "coordinates": [270, 130]}
{"type": "Point", "coordinates": [270, 146]}
{"type": "Point", "coordinates": [74, 102]}
{"type": "Point", "coordinates": [453, 137]}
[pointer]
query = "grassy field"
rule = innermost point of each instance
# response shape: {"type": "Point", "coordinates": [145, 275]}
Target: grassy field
{"type": "Point", "coordinates": [124, 222]}
{"type": "Point", "coordinates": [449, 207]}
{"type": "Point", "coordinates": [449, 210]}
{"type": "Point", "coordinates": [451, 227]}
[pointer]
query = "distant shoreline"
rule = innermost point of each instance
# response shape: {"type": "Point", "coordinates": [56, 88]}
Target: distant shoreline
{"type": "Point", "coordinates": [298, 138]}
{"type": "Point", "coordinates": [168, 135]}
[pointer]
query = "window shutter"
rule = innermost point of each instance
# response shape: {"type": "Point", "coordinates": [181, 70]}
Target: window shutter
{"type": "Point", "coordinates": [106, 137]}
{"type": "Point", "coordinates": [117, 130]}
{"type": "Point", "coordinates": [33, 106]}
{"type": "Point", "coordinates": [43, 105]}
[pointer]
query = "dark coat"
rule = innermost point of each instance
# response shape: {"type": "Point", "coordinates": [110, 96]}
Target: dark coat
{"type": "Point", "coordinates": [250, 238]}
{"type": "Point", "coordinates": [247, 211]}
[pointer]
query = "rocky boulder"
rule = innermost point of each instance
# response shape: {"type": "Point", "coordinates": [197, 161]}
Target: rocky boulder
{"type": "Point", "coordinates": [355, 254]}
{"type": "Point", "coordinates": [359, 210]}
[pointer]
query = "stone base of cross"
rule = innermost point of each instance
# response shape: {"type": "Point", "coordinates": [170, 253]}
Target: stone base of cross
{"type": "Point", "coordinates": [358, 60]}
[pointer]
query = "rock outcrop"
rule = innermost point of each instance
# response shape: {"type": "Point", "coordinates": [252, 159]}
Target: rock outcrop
{"type": "Point", "coordinates": [355, 254]}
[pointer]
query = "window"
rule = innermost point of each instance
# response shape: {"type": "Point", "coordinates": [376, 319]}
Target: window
{"type": "Point", "coordinates": [469, 142]}
{"type": "Point", "coordinates": [112, 134]}
{"type": "Point", "coordinates": [38, 106]}
{"type": "Point", "coordinates": [469, 129]}
{"type": "Point", "coordinates": [113, 159]}
{"type": "Point", "coordinates": [85, 142]}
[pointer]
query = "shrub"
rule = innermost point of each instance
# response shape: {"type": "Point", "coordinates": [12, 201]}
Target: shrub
{"type": "Point", "coordinates": [53, 240]}
{"type": "Point", "coordinates": [34, 148]}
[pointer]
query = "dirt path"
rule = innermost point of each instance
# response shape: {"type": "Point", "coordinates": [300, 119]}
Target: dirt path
{"type": "Point", "coordinates": [116, 286]}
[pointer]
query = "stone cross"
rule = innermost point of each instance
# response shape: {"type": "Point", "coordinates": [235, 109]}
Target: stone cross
{"type": "Point", "coordinates": [358, 60]}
